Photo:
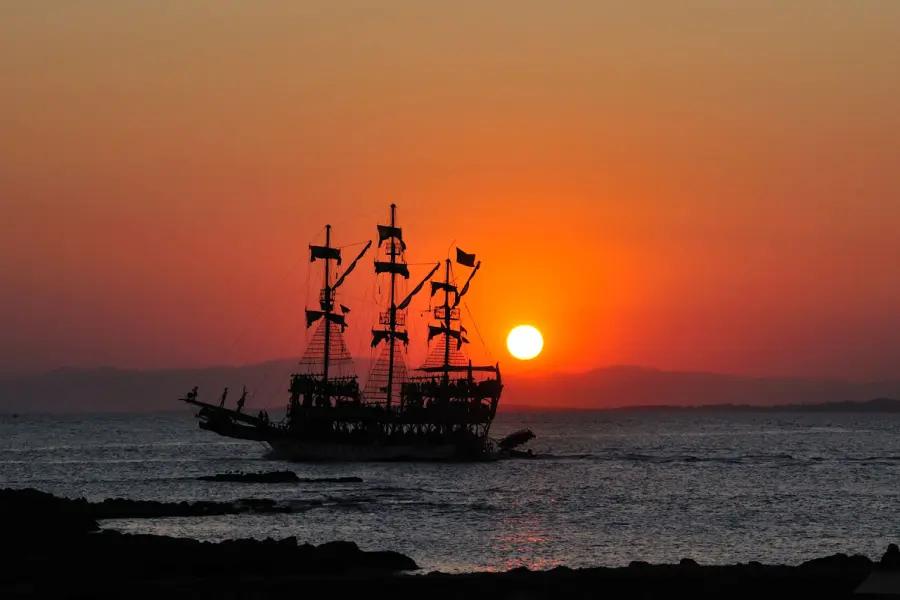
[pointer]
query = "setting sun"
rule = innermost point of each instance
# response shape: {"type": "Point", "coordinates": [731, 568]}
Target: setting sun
{"type": "Point", "coordinates": [525, 342]}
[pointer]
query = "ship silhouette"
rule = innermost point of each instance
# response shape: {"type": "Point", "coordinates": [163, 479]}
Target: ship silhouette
{"type": "Point", "coordinates": [441, 410]}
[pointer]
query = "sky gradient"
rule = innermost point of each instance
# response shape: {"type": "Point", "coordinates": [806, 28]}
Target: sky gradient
{"type": "Point", "coordinates": [689, 185]}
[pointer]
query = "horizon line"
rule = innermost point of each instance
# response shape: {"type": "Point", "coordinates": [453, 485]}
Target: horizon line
{"type": "Point", "coordinates": [533, 373]}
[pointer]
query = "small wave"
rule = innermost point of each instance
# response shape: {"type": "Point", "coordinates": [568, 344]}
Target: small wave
{"type": "Point", "coordinates": [742, 459]}
{"type": "Point", "coordinates": [564, 456]}
{"type": "Point", "coordinates": [666, 459]}
{"type": "Point", "coordinates": [303, 505]}
{"type": "Point", "coordinates": [350, 502]}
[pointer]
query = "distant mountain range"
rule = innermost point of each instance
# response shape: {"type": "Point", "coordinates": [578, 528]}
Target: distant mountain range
{"type": "Point", "coordinates": [876, 405]}
{"type": "Point", "coordinates": [121, 390]}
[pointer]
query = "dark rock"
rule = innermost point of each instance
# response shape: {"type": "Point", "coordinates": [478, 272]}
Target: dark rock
{"type": "Point", "coordinates": [26, 515]}
{"type": "Point", "coordinates": [45, 511]}
{"type": "Point", "coordinates": [688, 563]}
{"type": "Point", "coordinates": [388, 561]}
{"type": "Point", "coordinates": [338, 551]}
{"type": "Point", "coordinates": [837, 561]}
{"type": "Point", "coordinates": [890, 560]}
{"type": "Point", "coordinates": [55, 551]}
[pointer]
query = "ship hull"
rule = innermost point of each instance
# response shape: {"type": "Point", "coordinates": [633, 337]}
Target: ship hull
{"type": "Point", "coordinates": [296, 447]}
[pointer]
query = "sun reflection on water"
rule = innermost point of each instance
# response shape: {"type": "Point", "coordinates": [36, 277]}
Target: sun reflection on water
{"type": "Point", "coordinates": [522, 543]}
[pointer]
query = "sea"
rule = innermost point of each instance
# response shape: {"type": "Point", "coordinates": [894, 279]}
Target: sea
{"type": "Point", "coordinates": [604, 488]}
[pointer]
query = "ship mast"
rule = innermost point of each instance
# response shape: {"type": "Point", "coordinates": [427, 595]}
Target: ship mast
{"type": "Point", "coordinates": [440, 358]}
{"type": "Point", "coordinates": [447, 310]}
{"type": "Point", "coordinates": [328, 253]}
{"type": "Point", "coordinates": [394, 319]}
{"type": "Point", "coordinates": [392, 325]}
{"type": "Point", "coordinates": [327, 306]}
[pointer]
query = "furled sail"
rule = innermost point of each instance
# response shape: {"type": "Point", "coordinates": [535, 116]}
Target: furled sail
{"type": "Point", "coordinates": [418, 288]}
{"type": "Point", "coordinates": [465, 288]}
{"type": "Point", "coordinates": [434, 331]}
{"type": "Point", "coordinates": [396, 268]}
{"type": "Point", "coordinates": [351, 267]}
{"type": "Point", "coordinates": [440, 285]}
{"type": "Point", "coordinates": [314, 315]}
{"type": "Point", "coordinates": [386, 232]}
{"type": "Point", "coordinates": [379, 335]}
{"type": "Point", "coordinates": [324, 253]}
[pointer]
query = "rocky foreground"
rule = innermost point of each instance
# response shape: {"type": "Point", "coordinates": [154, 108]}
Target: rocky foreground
{"type": "Point", "coordinates": [53, 548]}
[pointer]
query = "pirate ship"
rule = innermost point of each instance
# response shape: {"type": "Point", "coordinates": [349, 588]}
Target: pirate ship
{"type": "Point", "coordinates": [441, 410]}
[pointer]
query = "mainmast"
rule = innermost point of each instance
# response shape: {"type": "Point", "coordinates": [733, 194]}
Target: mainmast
{"type": "Point", "coordinates": [392, 325]}
{"type": "Point", "coordinates": [393, 320]}
{"type": "Point", "coordinates": [327, 303]}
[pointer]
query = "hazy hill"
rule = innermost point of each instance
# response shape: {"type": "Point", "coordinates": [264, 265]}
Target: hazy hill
{"type": "Point", "coordinates": [625, 386]}
{"type": "Point", "coordinates": [110, 389]}
{"type": "Point", "coordinates": [113, 390]}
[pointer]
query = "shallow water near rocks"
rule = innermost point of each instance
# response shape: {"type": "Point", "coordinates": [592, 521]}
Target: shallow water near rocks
{"type": "Point", "coordinates": [605, 489]}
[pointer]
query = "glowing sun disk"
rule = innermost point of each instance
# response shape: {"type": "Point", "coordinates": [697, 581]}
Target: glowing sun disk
{"type": "Point", "coordinates": [524, 342]}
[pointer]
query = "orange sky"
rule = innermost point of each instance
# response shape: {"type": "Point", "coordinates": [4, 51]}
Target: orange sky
{"type": "Point", "coordinates": [688, 185]}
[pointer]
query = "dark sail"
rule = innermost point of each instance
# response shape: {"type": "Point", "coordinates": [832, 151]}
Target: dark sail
{"type": "Point", "coordinates": [440, 285]}
{"type": "Point", "coordinates": [379, 335]}
{"type": "Point", "coordinates": [418, 288]}
{"type": "Point", "coordinates": [324, 253]}
{"type": "Point", "coordinates": [465, 288]}
{"type": "Point", "coordinates": [314, 315]}
{"type": "Point", "coordinates": [395, 268]}
{"type": "Point", "coordinates": [352, 266]}
{"type": "Point", "coordinates": [386, 232]}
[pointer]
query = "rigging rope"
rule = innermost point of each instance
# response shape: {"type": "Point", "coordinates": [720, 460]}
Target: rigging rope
{"type": "Point", "coordinates": [268, 371]}
{"type": "Point", "coordinates": [354, 244]}
{"type": "Point", "coordinates": [486, 349]}
{"type": "Point", "coordinates": [262, 308]}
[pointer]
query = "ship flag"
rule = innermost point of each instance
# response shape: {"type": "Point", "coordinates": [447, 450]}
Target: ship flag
{"type": "Point", "coordinates": [464, 258]}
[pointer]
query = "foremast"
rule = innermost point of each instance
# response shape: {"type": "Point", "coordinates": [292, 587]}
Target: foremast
{"type": "Point", "coordinates": [329, 318]}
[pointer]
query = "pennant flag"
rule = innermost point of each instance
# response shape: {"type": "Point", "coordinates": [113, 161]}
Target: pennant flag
{"type": "Point", "coordinates": [344, 309]}
{"type": "Point", "coordinates": [465, 259]}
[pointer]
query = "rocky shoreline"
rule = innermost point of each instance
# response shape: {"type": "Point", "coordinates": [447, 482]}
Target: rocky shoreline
{"type": "Point", "coordinates": [54, 548]}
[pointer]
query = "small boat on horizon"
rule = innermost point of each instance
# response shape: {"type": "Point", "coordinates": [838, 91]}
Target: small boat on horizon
{"type": "Point", "coordinates": [443, 410]}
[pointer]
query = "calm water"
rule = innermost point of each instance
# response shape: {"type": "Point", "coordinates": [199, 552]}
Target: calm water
{"type": "Point", "coordinates": [607, 488]}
